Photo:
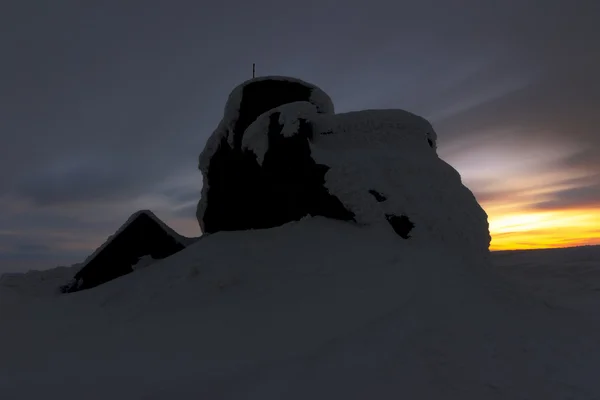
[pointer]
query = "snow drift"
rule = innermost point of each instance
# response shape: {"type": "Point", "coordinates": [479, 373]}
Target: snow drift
{"type": "Point", "coordinates": [315, 309]}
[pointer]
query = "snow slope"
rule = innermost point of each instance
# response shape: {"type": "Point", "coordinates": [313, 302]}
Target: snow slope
{"type": "Point", "coordinates": [317, 309]}
{"type": "Point", "coordinates": [567, 278]}
{"type": "Point", "coordinates": [38, 283]}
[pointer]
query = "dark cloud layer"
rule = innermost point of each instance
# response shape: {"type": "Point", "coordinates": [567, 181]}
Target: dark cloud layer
{"type": "Point", "coordinates": [105, 105]}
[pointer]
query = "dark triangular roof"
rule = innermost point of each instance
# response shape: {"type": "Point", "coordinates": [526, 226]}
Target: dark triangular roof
{"type": "Point", "coordinates": [142, 234]}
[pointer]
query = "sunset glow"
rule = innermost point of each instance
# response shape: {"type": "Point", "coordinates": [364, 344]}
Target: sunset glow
{"type": "Point", "coordinates": [544, 229]}
{"type": "Point", "coordinates": [535, 194]}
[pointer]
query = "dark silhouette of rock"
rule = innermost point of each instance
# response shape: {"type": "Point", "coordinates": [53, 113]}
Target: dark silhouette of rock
{"type": "Point", "coordinates": [378, 196]}
{"type": "Point", "coordinates": [401, 224]}
{"type": "Point", "coordinates": [241, 193]}
{"type": "Point", "coordinates": [143, 234]}
{"type": "Point", "coordinates": [261, 96]}
{"type": "Point", "coordinates": [281, 153]}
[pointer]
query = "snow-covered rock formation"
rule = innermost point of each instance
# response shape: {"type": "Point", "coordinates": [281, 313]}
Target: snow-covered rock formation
{"type": "Point", "coordinates": [281, 153]}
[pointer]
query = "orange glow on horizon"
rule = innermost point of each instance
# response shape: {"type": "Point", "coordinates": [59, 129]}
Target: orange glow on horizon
{"type": "Point", "coordinates": [527, 229]}
{"type": "Point", "coordinates": [534, 184]}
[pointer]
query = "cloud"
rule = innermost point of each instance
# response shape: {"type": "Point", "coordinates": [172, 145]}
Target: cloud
{"type": "Point", "coordinates": [183, 195]}
{"type": "Point", "coordinates": [188, 211]}
{"type": "Point", "coordinates": [578, 197]}
{"type": "Point", "coordinates": [529, 143]}
{"type": "Point", "coordinates": [81, 181]}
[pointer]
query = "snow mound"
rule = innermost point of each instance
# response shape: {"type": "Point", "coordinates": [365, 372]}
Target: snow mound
{"type": "Point", "coordinates": [315, 309]}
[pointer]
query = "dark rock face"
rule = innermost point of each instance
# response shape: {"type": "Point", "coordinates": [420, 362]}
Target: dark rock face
{"type": "Point", "coordinates": [294, 180]}
{"type": "Point", "coordinates": [232, 193]}
{"type": "Point", "coordinates": [281, 182]}
{"type": "Point", "coordinates": [402, 225]}
{"type": "Point", "coordinates": [262, 96]}
{"type": "Point", "coordinates": [143, 236]}
{"type": "Point", "coordinates": [287, 186]}
{"type": "Point", "coordinates": [378, 196]}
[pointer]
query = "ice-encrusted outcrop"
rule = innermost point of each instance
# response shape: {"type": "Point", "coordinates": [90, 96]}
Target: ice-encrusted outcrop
{"type": "Point", "coordinates": [281, 153]}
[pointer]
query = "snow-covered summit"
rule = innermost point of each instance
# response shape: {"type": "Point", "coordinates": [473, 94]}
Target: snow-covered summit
{"type": "Point", "coordinates": [317, 309]}
{"type": "Point", "coordinates": [293, 156]}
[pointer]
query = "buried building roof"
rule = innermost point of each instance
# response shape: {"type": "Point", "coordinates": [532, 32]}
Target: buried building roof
{"type": "Point", "coordinates": [141, 235]}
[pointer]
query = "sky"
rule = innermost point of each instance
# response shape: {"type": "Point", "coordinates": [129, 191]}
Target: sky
{"type": "Point", "coordinates": [105, 105]}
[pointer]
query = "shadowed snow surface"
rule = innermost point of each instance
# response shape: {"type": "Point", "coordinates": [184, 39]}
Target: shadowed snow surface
{"type": "Point", "coordinates": [317, 309]}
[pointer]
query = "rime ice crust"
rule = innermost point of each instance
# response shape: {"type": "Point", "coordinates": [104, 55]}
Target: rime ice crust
{"type": "Point", "coordinates": [289, 116]}
{"type": "Point", "coordinates": [351, 155]}
{"type": "Point", "coordinates": [231, 114]}
{"type": "Point", "coordinates": [388, 151]}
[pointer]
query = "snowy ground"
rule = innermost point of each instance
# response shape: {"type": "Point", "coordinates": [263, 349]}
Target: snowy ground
{"type": "Point", "coordinates": [567, 278]}
{"type": "Point", "coordinates": [317, 309]}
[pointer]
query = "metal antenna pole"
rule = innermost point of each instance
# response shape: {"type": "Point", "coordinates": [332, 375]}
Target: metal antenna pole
{"type": "Point", "coordinates": [253, 70]}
